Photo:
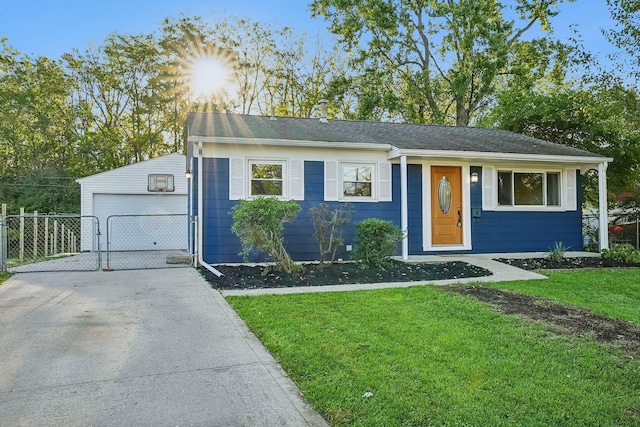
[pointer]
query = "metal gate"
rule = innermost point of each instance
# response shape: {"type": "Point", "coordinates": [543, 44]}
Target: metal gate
{"type": "Point", "coordinates": [30, 243]}
{"type": "Point", "coordinates": [148, 241]}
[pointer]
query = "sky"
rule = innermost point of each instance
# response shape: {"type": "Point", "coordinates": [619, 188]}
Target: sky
{"type": "Point", "coordinates": [53, 27]}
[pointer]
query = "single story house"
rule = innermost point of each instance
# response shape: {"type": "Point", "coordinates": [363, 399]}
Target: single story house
{"type": "Point", "coordinates": [155, 186]}
{"type": "Point", "coordinates": [450, 189]}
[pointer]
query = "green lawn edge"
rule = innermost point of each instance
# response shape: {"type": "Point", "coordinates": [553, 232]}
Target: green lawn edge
{"type": "Point", "coordinates": [433, 358]}
{"type": "Point", "coordinates": [614, 292]}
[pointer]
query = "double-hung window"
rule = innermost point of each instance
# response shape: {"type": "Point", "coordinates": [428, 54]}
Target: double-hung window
{"type": "Point", "coordinates": [267, 178]}
{"type": "Point", "coordinates": [357, 180]}
{"type": "Point", "coordinates": [255, 177]}
{"type": "Point", "coordinates": [517, 188]}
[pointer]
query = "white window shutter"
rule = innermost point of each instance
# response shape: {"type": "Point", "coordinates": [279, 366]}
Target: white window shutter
{"type": "Point", "coordinates": [384, 182]}
{"type": "Point", "coordinates": [571, 199]}
{"type": "Point", "coordinates": [296, 181]}
{"type": "Point", "coordinates": [331, 192]}
{"type": "Point", "coordinates": [236, 179]}
{"type": "Point", "coordinates": [488, 188]}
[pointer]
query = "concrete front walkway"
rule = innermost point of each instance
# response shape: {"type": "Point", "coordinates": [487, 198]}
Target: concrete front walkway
{"type": "Point", "coordinates": [143, 348]}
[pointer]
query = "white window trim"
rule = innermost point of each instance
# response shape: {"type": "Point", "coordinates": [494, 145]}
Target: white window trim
{"type": "Point", "coordinates": [240, 177]}
{"type": "Point", "coordinates": [285, 177]}
{"type": "Point", "coordinates": [374, 182]}
{"type": "Point", "coordinates": [381, 181]}
{"type": "Point", "coordinates": [531, 208]}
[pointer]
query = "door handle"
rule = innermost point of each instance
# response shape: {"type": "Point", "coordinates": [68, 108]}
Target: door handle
{"type": "Point", "coordinates": [459, 218]}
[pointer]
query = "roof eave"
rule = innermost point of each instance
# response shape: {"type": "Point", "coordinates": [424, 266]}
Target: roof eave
{"type": "Point", "coordinates": [290, 142]}
{"type": "Point", "coordinates": [481, 155]}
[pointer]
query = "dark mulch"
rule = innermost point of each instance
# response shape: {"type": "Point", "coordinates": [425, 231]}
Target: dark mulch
{"type": "Point", "coordinates": [567, 263]}
{"type": "Point", "coordinates": [343, 273]}
{"type": "Point", "coordinates": [573, 320]}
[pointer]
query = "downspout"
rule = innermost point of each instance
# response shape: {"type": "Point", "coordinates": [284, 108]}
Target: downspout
{"type": "Point", "coordinates": [201, 261]}
{"type": "Point", "coordinates": [602, 206]}
{"type": "Point", "coordinates": [404, 208]}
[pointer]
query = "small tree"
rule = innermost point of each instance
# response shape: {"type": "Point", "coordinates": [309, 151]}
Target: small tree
{"type": "Point", "coordinates": [376, 242]}
{"type": "Point", "coordinates": [329, 225]}
{"type": "Point", "coordinates": [259, 224]}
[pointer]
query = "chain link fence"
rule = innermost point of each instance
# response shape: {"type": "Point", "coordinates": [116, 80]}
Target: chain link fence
{"type": "Point", "coordinates": [148, 241]}
{"type": "Point", "coordinates": [50, 243]}
{"type": "Point", "coordinates": [3, 245]}
{"type": "Point", "coordinates": [623, 229]}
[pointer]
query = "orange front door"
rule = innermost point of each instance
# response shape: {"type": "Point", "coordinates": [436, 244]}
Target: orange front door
{"type": "Point", "coordinates": [446, 205]}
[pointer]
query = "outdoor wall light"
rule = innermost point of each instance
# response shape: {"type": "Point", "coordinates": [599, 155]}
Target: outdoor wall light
{"type": "Point", "coordinates": [188, 174]}
{"type": "Point", "coordinates": [474, 176]}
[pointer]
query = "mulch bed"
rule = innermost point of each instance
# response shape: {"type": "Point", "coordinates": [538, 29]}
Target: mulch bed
{"type": "Point", "coordinates": [254, 277]}
{"type": "Point", "coordinates": [567, 263]}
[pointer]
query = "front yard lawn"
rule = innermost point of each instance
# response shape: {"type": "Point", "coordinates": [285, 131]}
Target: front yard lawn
{"type": "Point", "coordinates": [422, 356]}
{"type": "Point", "coordinates": [610, 292]}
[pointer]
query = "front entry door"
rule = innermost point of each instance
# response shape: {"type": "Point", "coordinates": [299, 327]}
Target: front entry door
{"type": "Point", "coordinates": [446, 205]}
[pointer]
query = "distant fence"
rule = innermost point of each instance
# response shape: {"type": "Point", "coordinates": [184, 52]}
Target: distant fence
{"type": "Point", "coordinates": [70, 242]}
{"type": "Point", "coordinates": [624, 228]}
{"type": "Point", "coordinates": [36, 242]}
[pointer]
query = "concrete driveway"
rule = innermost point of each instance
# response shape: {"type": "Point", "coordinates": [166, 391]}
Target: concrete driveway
{"type": "Point", "coordinates": [144, 347]}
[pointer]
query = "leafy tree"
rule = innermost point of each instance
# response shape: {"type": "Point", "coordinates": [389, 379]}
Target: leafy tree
{"type": "Point", "coordinates": [299, 79]}
{"type": "Point", "coordinates": [626, 35]}
{"type": "Point", "coordinates": [587, 118]}
{"type": "Point", "coordinates": [37, 143]}
{"type": "Point", "coordinates": [259, 224]}
{"type": "Point", "coordinates": [440, 62]}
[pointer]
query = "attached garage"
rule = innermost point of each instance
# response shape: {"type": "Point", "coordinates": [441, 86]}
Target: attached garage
{"type": "Point", "coordinates": [130, 199]}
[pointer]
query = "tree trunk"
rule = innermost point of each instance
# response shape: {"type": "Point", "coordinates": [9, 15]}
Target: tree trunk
{"type": "Point", "coordinates": [462, 114]}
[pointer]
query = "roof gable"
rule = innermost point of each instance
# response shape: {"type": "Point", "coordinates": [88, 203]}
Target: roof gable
{"type": "Point", "coordinates": [170, 163]}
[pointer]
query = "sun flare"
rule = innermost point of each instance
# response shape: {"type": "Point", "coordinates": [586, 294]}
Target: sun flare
{"type": "Point", "coordinates": [209, 75]}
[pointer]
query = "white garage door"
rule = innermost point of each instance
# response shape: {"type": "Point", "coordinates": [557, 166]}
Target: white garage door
{"type": "Point", "coordinates": [134, 232]}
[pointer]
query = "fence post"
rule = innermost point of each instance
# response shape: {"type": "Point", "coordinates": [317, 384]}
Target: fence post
{"type": "Point", "coordinates": [35, 235]}
{"type": "Point", "coordinates": [54, 242]}
{"type": "Point", "coordinates": [3, 263]}
{"type": "Point", "coordinates": [46, 236]}
{"type": "Point", "coordinates": [3, 237]}
{"type": "Point", "coordinates": [21, 234]}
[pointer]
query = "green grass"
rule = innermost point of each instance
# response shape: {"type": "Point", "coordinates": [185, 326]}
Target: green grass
{"type": "Point", "coordinates": [434, 358]}
{"type": "Point", "coordinates": [613, 293]}
{"type": "Point", "coordinates": [3, 277]}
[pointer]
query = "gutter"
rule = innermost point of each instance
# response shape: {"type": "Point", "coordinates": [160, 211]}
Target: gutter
{"type": "Point", "coordinates": [199, 221]}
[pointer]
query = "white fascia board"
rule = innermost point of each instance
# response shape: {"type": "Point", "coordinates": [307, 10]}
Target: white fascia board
{"type": "Point", "coordinates": [291, 143]}
{"type": "Point", "coordinates": [480, 155]}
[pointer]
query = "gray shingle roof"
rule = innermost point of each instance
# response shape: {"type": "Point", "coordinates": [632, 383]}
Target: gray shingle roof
{"type": "Point", "coordinates": [402, 136]}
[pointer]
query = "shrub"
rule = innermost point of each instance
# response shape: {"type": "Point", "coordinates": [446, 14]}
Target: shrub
{"type": "Point", "coordinates": [376, 242]}
{"type": "Point", "coordinates": [259, 224]}
{"type": "Point", "coordinates": [557, 252]}
{"type": "Point", "coordinates": [328, 225]}
{"type": "Point", "coordinates": [622, 252]}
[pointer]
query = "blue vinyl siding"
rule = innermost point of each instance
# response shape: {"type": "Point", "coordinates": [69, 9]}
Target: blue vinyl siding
{"type": "Point", "coordinates": [513, 231]}
{"type": "Point", "coordinates": [496, 231]}
{"type": "Point", "coordinates": [221, 245]}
